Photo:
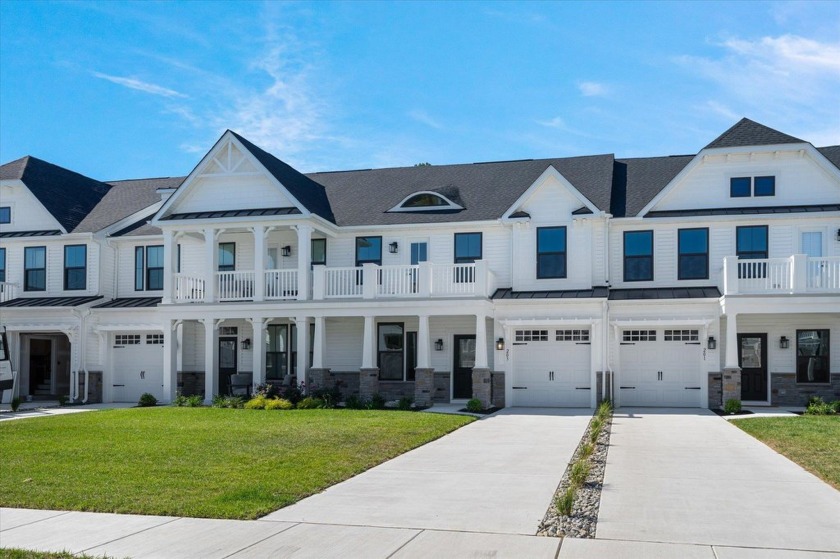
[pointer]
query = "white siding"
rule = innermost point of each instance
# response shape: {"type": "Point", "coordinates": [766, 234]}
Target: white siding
{"type": "Point", "coordinates": [231, 193]}
{"type": "Point", "coordinates": [778, 325]}
{"type": "Point", "coordinates": [15, 251]}
{"type": "Point", "coordinates": [27, 212]}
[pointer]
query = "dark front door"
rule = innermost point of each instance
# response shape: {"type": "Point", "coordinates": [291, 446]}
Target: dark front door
{"type": "Point", "coordinates": [752, 357]}
{"type": "Point", "coordinates": [40, 367]}
{"type": "Point", "coordinates": [463, 366]}
{"type": "Point", "coordinates": [227, 363]}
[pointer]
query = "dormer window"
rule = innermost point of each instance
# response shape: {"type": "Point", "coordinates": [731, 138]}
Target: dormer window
{"type": "Point", "coordinates": [425, 201]}
{"type": "Point", "coordinates": [746, 187]}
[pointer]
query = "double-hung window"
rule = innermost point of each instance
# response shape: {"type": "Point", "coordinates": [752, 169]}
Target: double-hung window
{"type": "Point", "coordinates": [2, 264]}
{"type": "Point", "coordinates": [319, 251]}
{"type": "Point", "coordinates": [551, 252]}
{"type": "Point", "coordinates": [35, 269]}
{"type": "Point", "coordinates": [467, 250]}
{"type": "Point", "coordinates": [812, 356]}
{"type": "Point", "coordinates": [148, 268]}
{"type": "Point", "coordinates": [391, 350]}
{"type": "Point", "coordinates": [75, 267]}
{"type": "Point", "coordinates": [227, 257]}
{"type": "Point", "coordinates": [638, 255]}
{"type": "Point", "coordinates": [751, 244]}
{"type": "Point", "coordinates": [693, 254]}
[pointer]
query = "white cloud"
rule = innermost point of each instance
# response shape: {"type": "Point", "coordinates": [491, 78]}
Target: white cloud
{"type": "Point", "coordinates": [146, 87]}
{"type": "Point", "coordinates": [424, 118]}
{"type": "Point", "coordinates": [592, 89]}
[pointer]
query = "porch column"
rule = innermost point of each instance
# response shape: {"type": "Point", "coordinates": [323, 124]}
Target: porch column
{"type": "Point", "coordinates": [304, 238]}
{"type": "Point", "coordinates": [170, 359]}
{"type": "Point", "coordinates": [258, 325]}
{"type": "Point", "coordinates": [170, 265]}
{"type": "Point", "coordinates": [302, 324]}
{"type": "Point", "coordinates": [369, 374]}
{"type": "Point", "coordinates": [482, 386]}
{"type": "Point", "coordinates": [731, 388]}
{"type": "Point", "coordinates": [259, 263]}
{"type": "Point", "coordinates": [424, 375]}
{"type": "Point", "coordinates": [211, 350]}
{"type": "Point", "coordinates": [318, 375]}
{"type": "Point", "coordinates": [211, 264]}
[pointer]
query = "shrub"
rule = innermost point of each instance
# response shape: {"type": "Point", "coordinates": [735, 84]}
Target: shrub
{"type": "Point", "coordinates": [579, 473]}
{"type": "Point", "coordinates": [353, 402]}
{"type": "Point", "coordinates": [732, 406]}
{"type": "Point", "coordinates": [330, 396]}
{"type": "Point", "coordinates": [147, 400]}
{"type": "Point", "coordinates": [594, 434]}
{"type": "Point", "coordinates": [474, 405]}
{"type": "Point", "coordinates": [310, 403]}
{"type": "Point", "coordinates": [15, 403]}
{"type": "Point", "coordinates": [605, 409]}
{"type": "Point", "coordinates": [566, 501]}
{"type": "Point", "coordinates": [62, 399]}
{"type": "Point", "coordinates": [256, 403]}
{"type": "Point", "coordinates": [835, 406]}
{"type": "Point", "coordinates": [816, 406]}
{"type": "Point", "coordinates": [180, 400]}
{"type": "Point", "coordinates": [278, 404]}
{"type": "Point", "coordinates": [265, 390]}
{"type": "Point", "coordinates": [377, 402]}
{"type": "Point", "coordinates": [232, 402]}
{"type": "Point", "coordinates": [292, 393]}
{"type": "Point", "coordinates": [405, 403]}
{"type": "Point", "coordinates": [195, 401]}
{"type": "Point", "coordinates": [596, 423]}
{"type": "Point", "coordinates": [586, 450]}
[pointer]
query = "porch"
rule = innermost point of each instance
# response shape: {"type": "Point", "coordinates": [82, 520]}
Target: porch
{"type": "Point", "coordinates": [797, 274]}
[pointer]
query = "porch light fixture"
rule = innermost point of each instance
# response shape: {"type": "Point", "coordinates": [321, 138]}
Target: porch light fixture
{"type": "Point", "coordinates": [286, 250]}
{"type": "Point", "coordinates": [784, 343]}
{"type": "Point", "coordinates": [500, 344]}
{"type": "Point", "coordinates": [394, 247]}
{"type": "Point", "coordinates": [711, 343]}
{"type": "Point", "coordinates": [246, 343]}
{"type": "Point", "coordinates": [439, 345]}
{"type": "Point", "coordinates": [838, 234]}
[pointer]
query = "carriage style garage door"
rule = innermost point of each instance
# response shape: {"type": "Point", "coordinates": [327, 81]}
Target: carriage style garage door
{"type": "Point", "coordinates": [551, 368]}
{"type": "Point", "coordinates": [660, 368]}
{"type": "Point", "coordinates": [137, 365]}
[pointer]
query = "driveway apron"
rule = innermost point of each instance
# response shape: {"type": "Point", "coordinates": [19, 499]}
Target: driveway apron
{"type": "Point", "coordinates": [688, 476]}
{"type": "Point", "coordinates": [494, 475]}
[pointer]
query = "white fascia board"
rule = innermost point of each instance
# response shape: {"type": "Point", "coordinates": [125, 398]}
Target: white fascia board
{"type": "Point", "coordinates": [128, 220]}
{"type": "Point", "coordinates": [657, 322]}
{"type": "Point", "coordinates": [245, 222]}
{"type": "Point", "coordinates": [560, 321]}
{"type": "Point", "coordinates": [129, 327]}
{"type": "Point", "coordinates": [437, 225]}
{"type": "Point", "coordinates": [671, 185]}
{"type": "Point", "coordinates": [550, 172]}
{"type": "Point", "coordinates": [781, 304]}
{"type": "Point", "coordinates": [135, 238]}
{"type": "Point", "coordinates": [753, 217]}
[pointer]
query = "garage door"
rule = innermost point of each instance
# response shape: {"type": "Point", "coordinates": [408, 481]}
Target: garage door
{"type": "Point", "coordinates": [660, 368]}
{"type": "Point", "coordinates": [551, 368]}
{"type": "Point", "coordinates": [137, 366]}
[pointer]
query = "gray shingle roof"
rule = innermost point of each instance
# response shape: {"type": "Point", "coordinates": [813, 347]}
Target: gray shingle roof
{"type": "Point", "coordinates": [67, 195]}
{"type": "Point", "coordinates": [642, 178]}
{"type": "Point", "coordinates": [124, 199]}
{"type": "Point", "coordinates": [832, 153]}
{"type": "Point", "coordinates": [746, 132]}
{"type": "Point", "coordinates": [485, 190]}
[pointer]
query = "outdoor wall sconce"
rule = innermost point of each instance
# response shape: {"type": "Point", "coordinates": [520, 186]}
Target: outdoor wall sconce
{"type": "Point", "coordinates": [286, 250]}
{"type": "Point", "coordinates": [711, 343]}
{"type": "Point", "coordinates": [394, 247]}
{"type": "Point", "coordinates": [246, 343]}
{"type": "Point", "coordinates": [500, 344]}
{"type": "Point", "coordinates": [838, 234]}
{"type": "Point", "coordinates": [784, 343]}
{"type": "Point", "coordinates": [439, 345]}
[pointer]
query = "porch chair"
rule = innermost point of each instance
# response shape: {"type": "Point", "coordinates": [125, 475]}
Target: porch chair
{"type": "Point", "coordinates": [240, 384]}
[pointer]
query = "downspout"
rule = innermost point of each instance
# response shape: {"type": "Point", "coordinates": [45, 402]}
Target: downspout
{"type": "Point", "coordinates": [607, 251]}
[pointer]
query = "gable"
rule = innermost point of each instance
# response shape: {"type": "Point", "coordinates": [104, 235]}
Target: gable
{"type": "Point", "coordinates": [28, 214]}
{"type": "Point", "coordinates": [551, 198]}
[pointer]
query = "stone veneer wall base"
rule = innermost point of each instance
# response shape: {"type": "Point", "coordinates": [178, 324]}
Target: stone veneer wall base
{"type": "Point", "coordinates": [424, 387]}
{"type": "Point", "coordinates": [731, 389]}
{"type": "Point", "coordinates": [482, 386]}
{"type": "Point", "coordinates": [368, 383]}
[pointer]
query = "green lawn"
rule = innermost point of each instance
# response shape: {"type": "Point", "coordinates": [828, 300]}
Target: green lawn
{"type": "Point", "coordinates": [812, 441]}
{"type": "Point", "coordinates": [202, 462]}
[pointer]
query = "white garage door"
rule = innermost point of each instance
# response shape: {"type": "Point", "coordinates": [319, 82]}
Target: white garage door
{"type": "Point", "coordinates": [660, 368]}
{"type": "Point", "coordinates": [551, 368]}
{"type": "Point", "coordinates": [137, 365]}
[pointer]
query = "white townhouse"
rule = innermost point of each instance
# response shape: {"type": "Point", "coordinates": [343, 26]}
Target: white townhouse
{"type": "Point", "coordinates": [663, 281]}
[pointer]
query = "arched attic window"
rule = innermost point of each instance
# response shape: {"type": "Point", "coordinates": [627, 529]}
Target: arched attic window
{"type": "Point", "coordinates": [425, 201]}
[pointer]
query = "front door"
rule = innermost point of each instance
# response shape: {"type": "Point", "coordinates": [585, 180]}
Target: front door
{"type": "Point", "coordinates": [40, 366]}
{"type": "Point", "coordinates": [752, 357]}
{"type": "Point", "coordinates": [463, 366]}
{"type": "Point", "coordinates": [227, 363]}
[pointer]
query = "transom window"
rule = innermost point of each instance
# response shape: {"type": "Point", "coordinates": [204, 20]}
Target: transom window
{"type": "Point", "coordinates": [572, 335]}
{"type": "Point", "coordinates": [35, 269]}
{"type": "Point", "coordinates": [638, 255]}
{"type": "Point", "coordinates": [531, 336]}
{"type": "Point", "coordinates": [425, 201]}
{"type": "Point", "coordinates": [551, 252]}
{"type": "Point", "coordinates": [228, 330]}
{"type": "Point", "coordinates": [693, 254]}
{"type": "Point", "coordinates": [5, 214]}
{"type": "Point", "coordinates": [746, 187]}
{"type": "Point", "coordinates": [682, 335]}
{"type": "Point", "coordinates": [812, 356]}
{"type": "Point", "coordinates": [154, 339]}
{"type": "Point", "coordinates": [75, 267]}
{"type": "Point", "coordinates": [638, 336]}
{"type": "Point", "coordinates": [148, 268]}
{"type": "Point", "coordinates": [127, 339]}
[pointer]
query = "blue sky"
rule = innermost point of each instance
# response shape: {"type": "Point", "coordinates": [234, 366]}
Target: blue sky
{"type": "Point", "coordinates": [121, 90]}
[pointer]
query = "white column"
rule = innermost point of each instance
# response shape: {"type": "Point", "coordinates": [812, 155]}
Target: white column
{"type": "Point", "coordinates": [424, 279]}
{"type": "Point", "coordinates": [319, 281]}
{"type": "Point", "coordinates": [304, 238]}
{"type": "Point", "coordinates": [170, 264]}
{"type": "Point", "coordinates": [730, 275]}
{"type": "Point", "coordinates": [211, 257]}
{"type": "Point", "coordinates": [481, 273]}
{"type": "Point", "coordinates": [259, 262]}
{"type": "Point", "coordinates": [731, 361]}
{"type": "Point", "coordinates": [480, 342]}
{"type": "Point", "coordinates": [302, 324]}
{"type": "Point", "coordinates": [258, 325]}
{"type": "Point", "coordinates": [318, 343]}
{"type": "Point", "coordinates": [369, 280]}
{"type": "Point", "coordinates": [211, 350]}
{"type": "Point", "coordinates": [369, 344]}
{"type": "Point", "coordinates": [423, 350]}
{"type": "Point", "coordinates": [799, 273]}
{"type": "Point", "coordinates": [170, 359]}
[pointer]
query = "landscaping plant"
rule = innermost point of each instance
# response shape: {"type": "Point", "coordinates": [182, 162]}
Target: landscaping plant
{"type": "Point", "coordinates": [405, 403]}
{"type": "Point", "coordinates": [232, 402]}
{"type": "Point", "coordinates": [817, 406]}
{"type": "Point", "coordinates": [256, 403]}
{"type": "Point", "coordinates": [353, 402]}
{"type": "Point", "coordinates": [474, 405]}
{"type": "Point", "coordinates": [147, 400]}
{"type": "Point", "coordinates": [586, 450]}
{"type": "Point", "coordinates": [377, 402]}
{"type": "Point", "coordinates": [732, 406]}
{"type": "Point", "coordinates": [579, 473]}
{"type": "Point", "coordinates": [279, 404]}
{"type": "Point", "coordinates": [15, 403]}
{"type": "Point", "coordinates": [566, 501]}
{"type": "Point", "coordinates": [310, 403]}
{"type": "Point", "coordinates": [62, 400]}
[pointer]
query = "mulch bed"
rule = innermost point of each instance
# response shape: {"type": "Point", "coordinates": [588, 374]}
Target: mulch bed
{"type": "Point", "coordinates": [724, 414]}
{"type": "Point", "coordinates": [488, 411]}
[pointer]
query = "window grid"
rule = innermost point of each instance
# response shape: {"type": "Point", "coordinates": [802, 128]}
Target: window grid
{"type": "Point", "coordinates": [572, 335]}
{"type": "Point", "coordinates": [638, 336]}
{"type": "Point", "coordinates": [35, 268]}
{"type": "Point", "coordinates": [551, 252]}
{"type": "Point", "coordinates": [682, 335]}
{"type": "Point", "coordinates": [127, 339]}
{"type": "Point", "coordinates": [531, 335]}
{"type": "Point", "coordinates": [154, 339]}
{"type": "Point", "coordinates": [228, 330]}
{"type": "Point", "coordinates": [75, 267]}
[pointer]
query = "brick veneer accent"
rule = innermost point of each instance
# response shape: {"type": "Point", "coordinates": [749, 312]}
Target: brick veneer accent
{"type": "Point", "coordinates": [482, 386]}
{"type": "Point", "coordinates": [785, 392]}
{"type": "Point", "coordinates": [498, 389]}
{"type": "Point", "coordinates": [442, 387]}
{"type": "Point", "coordinates": [424, 387]}
{"type": "Point", "coordinates": [715, 391]}
{"type": "Point", "coordinates": [731, 385]}
{"type": "Point", "coordinates": [191, 383]}
{"type": "Point", "coordinates": [94, 387]}
{"type": "Point", "coordinates": [319, 378]}
{"type": "Point", "coordinates": [368, 383]}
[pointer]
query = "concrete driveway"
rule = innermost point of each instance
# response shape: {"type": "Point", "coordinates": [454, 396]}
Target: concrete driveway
{"type": "Point", "coordinates": [495, 475]}
{"type": "Point", "coordinates": [688, 476]}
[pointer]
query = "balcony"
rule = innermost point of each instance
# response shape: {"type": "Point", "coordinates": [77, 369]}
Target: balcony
{"type": "Point", "coordinates": [8, 291]}
{"type": "Point", "coordinates": [369, 281]}
{"type": "Point", "coordinates": [798, 274]}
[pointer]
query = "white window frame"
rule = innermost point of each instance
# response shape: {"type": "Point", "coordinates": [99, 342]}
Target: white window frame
{"type": "Point", "coordinates": [450, 205]}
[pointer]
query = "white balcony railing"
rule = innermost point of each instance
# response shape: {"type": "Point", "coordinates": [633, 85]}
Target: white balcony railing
{"type": "Point", "coordinates": [398, 281]}
{"type": "Point", "coordinates": [281, 284]}
{"type": "Point", "coordinates": [235, 286]}
{"type": "Point", "coordinates": [188, 289]}
{"type": "Point", "coordinates": [8, 291]}
{"type": "Point", "coordinates": [453, 279]}
{"type": "Point", "coordinates": [796, 274]}
{"type": "Point", "coordinates": [341, 282]}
